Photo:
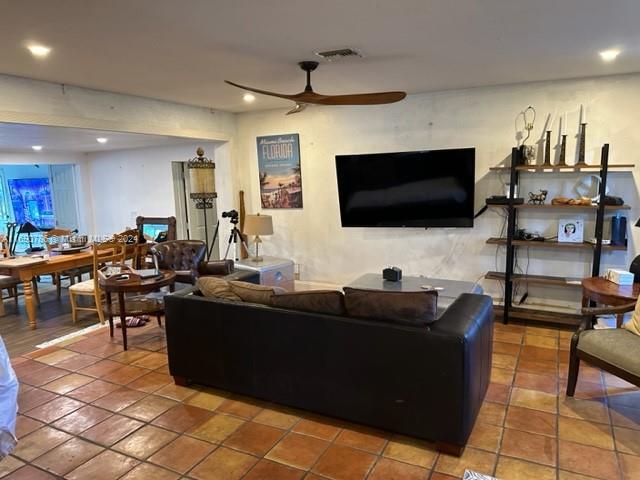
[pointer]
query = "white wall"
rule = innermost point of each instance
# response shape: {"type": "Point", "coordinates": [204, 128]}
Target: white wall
{"type": "Point", "coordinates": [483, 118]}
{"type": "Point", "coordinates": [128, 183]}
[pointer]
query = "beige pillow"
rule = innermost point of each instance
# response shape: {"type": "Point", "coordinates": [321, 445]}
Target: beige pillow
{"type": "Point", "coordinates": [250, 292]}
{"type": "Point", "coordinates": [216, 287]}
{"type": "Point", "coordinates": [408, 308]}
{"type": "Point", "coordinates": [633, 325]}
{"type": "Point", "coordinates": [330, 302]}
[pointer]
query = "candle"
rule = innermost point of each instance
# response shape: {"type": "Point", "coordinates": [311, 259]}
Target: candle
{"type": "Point", "coordinates": [550, 127]}
{"type": "Point", "coordinates": [563, 128]}
{"type": "Point", "coordinates": [583, 114]}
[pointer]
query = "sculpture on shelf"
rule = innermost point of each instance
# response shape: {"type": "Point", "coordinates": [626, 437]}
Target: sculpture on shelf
{"type": "Point", "coordinates": [537, 198]}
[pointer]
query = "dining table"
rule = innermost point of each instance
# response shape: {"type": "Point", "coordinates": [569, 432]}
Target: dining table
{"type": "Point", "coordinates": [28, 267]}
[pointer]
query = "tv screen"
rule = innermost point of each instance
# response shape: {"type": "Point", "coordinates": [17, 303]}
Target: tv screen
{"type": "Point", "coordinates": [430, 188]}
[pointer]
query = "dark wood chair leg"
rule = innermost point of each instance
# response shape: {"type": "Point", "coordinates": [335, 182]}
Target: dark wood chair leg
{"type": "Point", "coordinates": [448, 448]}
{"type": "Point", "coordinates": [110, 313]}
{"type": "Point", "coordinates": [159, 320]}
{"type": "Point", "coordinates": [34, 283]}
{"type": "Point", "coordinates": [572, 379]}
{"type": "Point", "coordinates": [15, 296]}
{"type": "Point", "coordinates": [58, 281]}
{"type": "Point", "coordinates": [180, 381]}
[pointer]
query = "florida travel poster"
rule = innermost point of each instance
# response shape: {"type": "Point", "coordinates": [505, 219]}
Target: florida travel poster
{"type": "Point", "coordinates": [280, 174]}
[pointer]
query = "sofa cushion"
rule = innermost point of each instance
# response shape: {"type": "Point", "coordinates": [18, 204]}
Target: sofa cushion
{"type": "Point", "coordinates": [216, 287]}
{"type": "Point", "coordinates": [409, 308]}
{"type": "Point", "coordinates": [250, 292]}
{"type": "Point", "coordinates": [317, 301]}
{"type": "Point", "coordinates": [633, 325]}
{"type": "Point", "coordinates": [616, 346]}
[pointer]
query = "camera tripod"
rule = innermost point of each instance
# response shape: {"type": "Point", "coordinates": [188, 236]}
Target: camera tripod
{"type": "Point", "coordinates": [233, 239]}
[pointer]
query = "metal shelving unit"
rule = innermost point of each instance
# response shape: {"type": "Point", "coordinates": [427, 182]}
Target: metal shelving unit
{"type": "Point", "coordinates": [509, 277]}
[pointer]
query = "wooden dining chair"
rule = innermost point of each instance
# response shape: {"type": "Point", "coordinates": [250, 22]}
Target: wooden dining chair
{"type": "Point", "coordinates": [53, 239]}
{"type": "Point", "coordinates": [9, 283]}
{"type": "Point", "coordinates": [105, 253]}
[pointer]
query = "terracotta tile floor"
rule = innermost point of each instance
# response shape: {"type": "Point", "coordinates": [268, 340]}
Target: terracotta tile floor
{"type": "Point", "coordinates": [90, 411]}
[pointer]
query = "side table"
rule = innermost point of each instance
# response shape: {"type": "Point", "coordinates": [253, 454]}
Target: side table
{"type": "Point", "coordinates": [601, 290]}
{"type": "Point", "coordinates": [137, 305]}
{"type": "Point", "coordinates": [274, 271]}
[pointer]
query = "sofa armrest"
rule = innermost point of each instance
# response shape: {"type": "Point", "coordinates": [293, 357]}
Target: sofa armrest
{"type": "Point", "coordinates": [216, 267]}
{"type": "Point", "coordinates": [469, 323]}
{"type": "Point", "coordinates": [465, 315]}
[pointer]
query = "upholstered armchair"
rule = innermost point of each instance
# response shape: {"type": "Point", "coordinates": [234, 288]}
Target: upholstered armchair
{"type": "Point", "coordinates": [615, 350]}
{"type": "Point", "coordinates": [187, 259]}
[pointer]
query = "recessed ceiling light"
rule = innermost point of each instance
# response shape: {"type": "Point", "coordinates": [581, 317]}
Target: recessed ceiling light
{"type": "Point", "coordinates": [37, 148]}
{"type": "Point", "coordinates": [39, 51]}
{"type": "Point", "coordinates": [249, 97]}
{"type": "Point", "coordinates": [609, 55]}
{"type": "Point", "coordinates": [102, 140]}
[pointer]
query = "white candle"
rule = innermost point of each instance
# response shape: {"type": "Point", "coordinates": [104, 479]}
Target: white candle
{"type": "Point", "coordinates": [563, 120]}
{"type": "Point", "coordinates": [550, 127]}
{"type": "Point", "coordinates": [583, 114]}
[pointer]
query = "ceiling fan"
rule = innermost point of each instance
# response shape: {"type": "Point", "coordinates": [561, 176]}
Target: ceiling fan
{"type": "Point", "coordinates": [308, 96]}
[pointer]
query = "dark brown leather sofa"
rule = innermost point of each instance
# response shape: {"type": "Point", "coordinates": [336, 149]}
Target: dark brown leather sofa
{"type": "Point", "coordinates": [424, 382]}
{"type": "Point", "coordinates": [187, 259]}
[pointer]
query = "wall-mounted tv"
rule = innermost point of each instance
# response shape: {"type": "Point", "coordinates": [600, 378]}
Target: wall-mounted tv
{"type": "Point", "coordinates": [430, 188]}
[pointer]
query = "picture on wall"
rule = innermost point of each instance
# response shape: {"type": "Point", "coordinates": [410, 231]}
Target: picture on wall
{"type": "Point", "coordinates": [280, 173]}
{"type": "Point", "coordinates": [32, 201]}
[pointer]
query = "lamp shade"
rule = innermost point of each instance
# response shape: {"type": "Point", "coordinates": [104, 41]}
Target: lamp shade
{"type": "Point", "coordinates": [258, 225]}
{"type": "Point", "coordinates": [202, 177]}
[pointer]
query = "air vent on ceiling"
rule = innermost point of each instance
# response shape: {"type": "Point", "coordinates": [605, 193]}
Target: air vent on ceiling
{"type": "Point", "coordinates": [339, 54]}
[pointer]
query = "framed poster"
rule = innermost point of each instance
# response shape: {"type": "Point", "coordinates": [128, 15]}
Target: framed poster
{"type": "Point", "coordinates": [280, 173]}
{"type": "Point", "coordinates": [570, 230]}
{"type": "Point", "coordinates": [32, 201]}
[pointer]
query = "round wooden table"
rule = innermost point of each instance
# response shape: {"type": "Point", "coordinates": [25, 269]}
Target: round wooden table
{"type": "Point", "coordinates": [601, 290]}
{"type": "Point", "coordinates": [138, 305]}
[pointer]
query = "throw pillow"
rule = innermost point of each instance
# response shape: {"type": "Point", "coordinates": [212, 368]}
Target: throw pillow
{"type": "Point", "coordinates": [250, 292]}
{"type": "Point", "coordinates": [409, 308]}
{"type": "Point", "coordinates": [316, 301]}
{"type": "Point", "coordinates": [216, 287]}
{"type": "Point", "coordinates": [633, 325]}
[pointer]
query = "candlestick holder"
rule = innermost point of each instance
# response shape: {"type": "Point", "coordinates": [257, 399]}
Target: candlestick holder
{"type": "Point", "coordinates": [581, 146]}
{"type": "Point", "coordinates": [562, 161]}
{"type": "Point", "coordinates": [547, 150]}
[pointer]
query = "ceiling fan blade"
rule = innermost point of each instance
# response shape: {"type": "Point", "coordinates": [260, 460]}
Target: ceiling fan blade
{"type": "Point", "coordinates": [263, 92]}
{"type": "Point", "coordinates": [361, 98]}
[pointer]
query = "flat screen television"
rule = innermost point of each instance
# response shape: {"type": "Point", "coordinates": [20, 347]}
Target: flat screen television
{"type": "Point", "coordinates": [430, 188]}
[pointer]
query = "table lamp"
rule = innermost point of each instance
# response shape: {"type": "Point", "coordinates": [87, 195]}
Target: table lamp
{"type": "Point", "coordinates": [258, 225]}
{"type": "Point", "coordinates": [29, 228]}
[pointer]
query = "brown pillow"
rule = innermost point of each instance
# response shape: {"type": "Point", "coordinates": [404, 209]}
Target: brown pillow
{"type": "Point", "coordinates": [250, 292]}
{"type": "Point", "coordinates": [317, 301]}
{"type": "Point", "coordinates": [216, 287]}
{"type": "Point", "coordinates": [409, 308]}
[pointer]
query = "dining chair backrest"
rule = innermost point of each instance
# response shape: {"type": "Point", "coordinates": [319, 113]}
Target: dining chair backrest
{"type": "Point", "coordinates": [105, 254]}
{"type": "Point", "coordinates": [4, 246]}
{"type": "Point", "coordinates": [54, 237]}
{"type": "Point", "coordinates": [130, 238]}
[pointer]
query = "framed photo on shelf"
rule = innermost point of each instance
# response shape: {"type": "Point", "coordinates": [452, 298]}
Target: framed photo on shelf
{"type": "Point", "coordinates": [570, 230]}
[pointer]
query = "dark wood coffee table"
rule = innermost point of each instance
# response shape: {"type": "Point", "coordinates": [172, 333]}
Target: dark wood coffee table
{"type": "Point", "coordinates": [138, 305]}
{"type": "Point", "coordinates": [601, 290]}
